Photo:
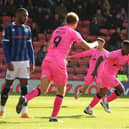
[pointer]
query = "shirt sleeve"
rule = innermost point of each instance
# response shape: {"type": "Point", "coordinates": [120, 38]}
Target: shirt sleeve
{"type": "Point", "coordinates": [30, 48]}
{"type": "Point", "coordinates": [6, 43]}
{"type": "Point", "coordinates": [83, 54]}
{"type": "Point", "coordinates": [77, 37]}
{"type": "Point", "coordinates": [110, 55]}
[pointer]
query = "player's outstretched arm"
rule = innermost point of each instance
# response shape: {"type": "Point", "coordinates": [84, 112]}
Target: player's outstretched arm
{"type": "Point", "coordinates": [85, 45]}
{"type": "Point", "coordinates": [100, 59]}
{"type": "Point", "coordinates": [82, 54]}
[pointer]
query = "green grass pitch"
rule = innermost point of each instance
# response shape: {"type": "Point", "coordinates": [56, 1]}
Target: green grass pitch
{"type": "Point", "coordinates": [71, 114]}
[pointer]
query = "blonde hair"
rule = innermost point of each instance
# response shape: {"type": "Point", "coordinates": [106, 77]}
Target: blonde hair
{"type": "Point", "coordinates": [71, 18]}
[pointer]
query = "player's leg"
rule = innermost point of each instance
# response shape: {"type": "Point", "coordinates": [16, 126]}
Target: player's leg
{"type": "Point", "coordinates": [10, 77]}
{"type": "Point", "coordinates": [87, 81]}
{"type": "Point", "coordinates": [119, 90]}
{"type": "Point", "coordinates": [81, 91]}
{"type": "Point", "coordinates": [95, 100]}
{"type": "Point", "coordinates": [57, 102]}
{"type": "Point", "coordinates": [60, 79]}
{"type": "Point", "coordinates": [24, 91]}
{"type": "Point", "coordinates": [45, 82]}
{"type": "Point", "coordinates": [4, 95]}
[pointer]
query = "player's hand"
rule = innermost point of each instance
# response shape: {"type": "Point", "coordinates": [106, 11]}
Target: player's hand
{"type": "Point", "coordinates": [10, 66]}
{"type": "Point", "coordinates": [94, 74]}
{"type": "Point", "coordinates": [32, 67]}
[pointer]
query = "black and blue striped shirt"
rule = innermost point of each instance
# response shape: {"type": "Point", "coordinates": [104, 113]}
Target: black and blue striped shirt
{"type": "Point", "coordinates": [17, 43]}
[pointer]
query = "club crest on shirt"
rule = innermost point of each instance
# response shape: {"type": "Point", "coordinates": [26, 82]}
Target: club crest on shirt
{"type": "Point", "coordinates": [26, 30]}
{"type": "Point", "coordinates": [13, 29]}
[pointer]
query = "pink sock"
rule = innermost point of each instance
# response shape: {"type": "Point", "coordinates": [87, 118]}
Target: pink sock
{"type": "Point", "coordinates": [104, 98]}
{"type": "Point", "coordinates": [32, 94]}
{"type": "Point", "coordinates": [94, 101]}
{"type": "Point", "coordinates": [112, 96]}
{"type": "Point", "coordinates": [57, 105]}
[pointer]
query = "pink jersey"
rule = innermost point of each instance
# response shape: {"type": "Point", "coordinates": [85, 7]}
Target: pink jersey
{"type": "Point", "coordinates": [61, 42]}
{"type": "Point", "coordinates": [114, 61]}
{"type": "Point", "coordinates": [94, 54]}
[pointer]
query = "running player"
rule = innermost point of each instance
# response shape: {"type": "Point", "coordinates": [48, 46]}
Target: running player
{"type": "Point", "coordinates": [114, 61]}
{"type": "Point", "coordinates": [18, 51]}
{"type": "Point", "coordinates": [94, 55]}
{"type": "Point", "coordinates": [54, 64]}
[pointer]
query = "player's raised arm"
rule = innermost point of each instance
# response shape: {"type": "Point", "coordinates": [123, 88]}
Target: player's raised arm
{"type": "Point", "coordinates": [82, 54]}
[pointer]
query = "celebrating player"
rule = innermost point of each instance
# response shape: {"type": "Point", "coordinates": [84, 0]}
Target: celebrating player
{"type": "Point", "coordinates": [114, 61]}
{"type": "Point", "coordinates": [54, 64]}
{"type": "Point", "coordinates": [94, 55]}
{"type": "Point", "coordinates": [18, 51]}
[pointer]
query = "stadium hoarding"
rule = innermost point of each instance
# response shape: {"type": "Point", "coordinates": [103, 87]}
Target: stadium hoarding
{"type": "Point", "coordinates": [72, 87]}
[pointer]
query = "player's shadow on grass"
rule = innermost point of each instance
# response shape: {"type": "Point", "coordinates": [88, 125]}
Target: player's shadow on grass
{"type": "Point", "coordinates": [47, 107]}
{"type": "Point", "coordinates": [71, 116]}
{"type": "Point", "coordinates": [7, 122]}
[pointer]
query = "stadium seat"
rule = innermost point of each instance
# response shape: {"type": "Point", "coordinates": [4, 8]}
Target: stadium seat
{"type": "Point", "coordinates": [70, 76]}
{"type": "Point", "coordinates": [84, 61]}
{"type": "Point", "coordinates": [105, 31]}
{"type": "Point", "coordinates": [1, 51]}
{"type": "Point", "coordinates": [37, 69]}
{"type": "Point", "coordinates": [6, 18]}
{"type": "Point", "coordinates": [70, 69]}
{"type": "Point", "coordinates": [125, 24]}
{"type": "Point", "coordinates": [74, 61]}
{"type": "Point", "coordinates": [37, 44]}
{"type": "Point", "coordinates": [48, 36]}
{"type": "Point", "coordinates": [2, 74]}
{"type": "Point", "coordinates": [78, 77]}
{"type": "Point", "coordinates": [111, 31]}
{"type": "Point", "coordinates": [91, 38]}
{"type": "Point", "coordinates": [85, 23]}
{"type": "Point", "coordinates": [81, 69]}
{"type": "Point", "coordinates": [41, 36]}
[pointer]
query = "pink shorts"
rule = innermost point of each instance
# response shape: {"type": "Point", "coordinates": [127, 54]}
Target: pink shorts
{"type": "Point", "coordinates": [109, 81]}
{"type": "Point", "coordinates": [89, 79]}
{"type": "Point", "coordinates": [55, 71]}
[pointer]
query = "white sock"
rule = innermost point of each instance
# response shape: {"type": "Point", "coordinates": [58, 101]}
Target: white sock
{"type": "Point", "coordinates": [2, 108]}
{"type": "Point", "coordinates": [25, 109]}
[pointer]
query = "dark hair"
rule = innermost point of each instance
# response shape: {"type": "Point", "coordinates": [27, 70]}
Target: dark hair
{"type": "Point", "coordinates": [19, 10]}
{"type": "Point", "coordinates": [71, 18]}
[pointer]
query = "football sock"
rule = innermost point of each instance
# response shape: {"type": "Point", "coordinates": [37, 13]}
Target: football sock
{"type": "Point", "coordinates": [25, 109]}
{"type": "Point", "coordinates": [94, 101]}
{"type": "Point", "coordinates": [35, 92]}
{"type": "Point", "coordinates": [112, 96]}
{"type": "Point", "coordinates": [57, 105]}
{"type": "Point", "coordinates": [4, 94]}
{"type": "Point", "coordinates": [104, 98]}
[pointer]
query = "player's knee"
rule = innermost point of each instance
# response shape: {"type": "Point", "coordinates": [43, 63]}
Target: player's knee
{"type": "Point", "coordinates": [119, 92]}
{"type": "Point", "coordinates": [43, 91]}
{"type": "Point", "coordinates": [99, 95]}
{"type": "Point", "coordinates": [6, 89]}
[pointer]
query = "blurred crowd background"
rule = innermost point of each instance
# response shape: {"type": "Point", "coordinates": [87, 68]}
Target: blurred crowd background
{"type": "Point", "coordinates": [104, 18]}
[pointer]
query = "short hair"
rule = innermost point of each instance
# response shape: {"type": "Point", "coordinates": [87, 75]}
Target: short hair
{"type": "Point", "coordinates": [19, 10]}
{"type": "Point", "coordinates": [101, 40]}
{"type": "Point", "coordinates": [71, 18]}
